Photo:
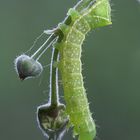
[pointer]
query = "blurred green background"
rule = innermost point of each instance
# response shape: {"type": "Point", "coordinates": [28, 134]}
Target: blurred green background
{"type": "Point", "coordinates": [111, 58]}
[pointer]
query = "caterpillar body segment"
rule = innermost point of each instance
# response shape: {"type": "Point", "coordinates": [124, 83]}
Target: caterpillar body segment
{"type": "Point", "coordinates": [97, 13]}
{"type": "Point", "coordinates": [70, 65]}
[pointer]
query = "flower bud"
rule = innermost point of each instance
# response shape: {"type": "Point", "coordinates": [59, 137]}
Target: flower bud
{"type": "Point", "coordinates": [27, 67]}
{"type": "Point", "coordinates": [52, 119]}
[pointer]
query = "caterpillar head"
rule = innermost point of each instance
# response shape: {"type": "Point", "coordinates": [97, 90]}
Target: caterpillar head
{"type": "Point", "coordinates": [52, 119]}
{"type": "Point", "coordinates": [27, 67]}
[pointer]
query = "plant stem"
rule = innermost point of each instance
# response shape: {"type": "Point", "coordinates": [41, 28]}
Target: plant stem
{"type": "Point", "coordinates": [82, 4]}
{"type": "Point", "coordinates": [54, 99]}
{"type": "Point", "coordinates": [53, 137]}
{"type": "Point", "coordinates": [79, 7]}
{"type": "Point", "coordinates": [49, 40]}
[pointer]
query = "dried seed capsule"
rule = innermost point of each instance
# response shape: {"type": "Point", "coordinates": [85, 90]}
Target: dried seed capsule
{"type": "Point", "coordinates": [52, 120]}
{"type": "Point", "coordinates": [27, 67]}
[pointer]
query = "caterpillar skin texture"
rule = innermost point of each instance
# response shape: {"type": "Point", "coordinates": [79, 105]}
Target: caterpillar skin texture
{"type": "Point", "coordinates": [70, 65]}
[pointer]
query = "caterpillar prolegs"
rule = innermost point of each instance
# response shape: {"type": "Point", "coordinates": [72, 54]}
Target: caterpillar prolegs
{"type": "Point", "coordinates": [95, 14]}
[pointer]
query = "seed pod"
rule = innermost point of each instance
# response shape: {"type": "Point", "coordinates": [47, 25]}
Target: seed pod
{"type": "Point", "coordinates": [27, 67]}
{"type": "Point", "coordinates": [52, 120]}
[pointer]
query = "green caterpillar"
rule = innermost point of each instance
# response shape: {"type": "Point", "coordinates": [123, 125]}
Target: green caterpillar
{"type": "Point", "coordinates": [67, 40]}
{"type": "Point", "coordinates": [74, 28]}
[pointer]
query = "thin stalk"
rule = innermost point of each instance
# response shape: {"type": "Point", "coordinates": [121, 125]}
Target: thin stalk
{"type": "Point", "coordinates": [54, 99]}
{"type": "Point", "coordinates": [45, 49]}
{"type": "Point", "coordinates": [50, 39]}
{"type": "Point", "coordinates": [35, 42]}
{"type": "Point", "coordinates": [81, 5]}
{"type": "Point", "coordinates": [53, 137]}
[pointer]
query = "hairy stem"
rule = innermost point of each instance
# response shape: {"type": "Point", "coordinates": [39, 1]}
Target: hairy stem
{"type": "Point", "coordinates": [82, 4]}
{"type": "Point", "coordinates": [79, 7]}
{"type": "Point", "coordinates": [54, 99]}
{"type": "Point", "coordinates": [53, 137]}
{"type": "Point", "coordinates": [41, 50]}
